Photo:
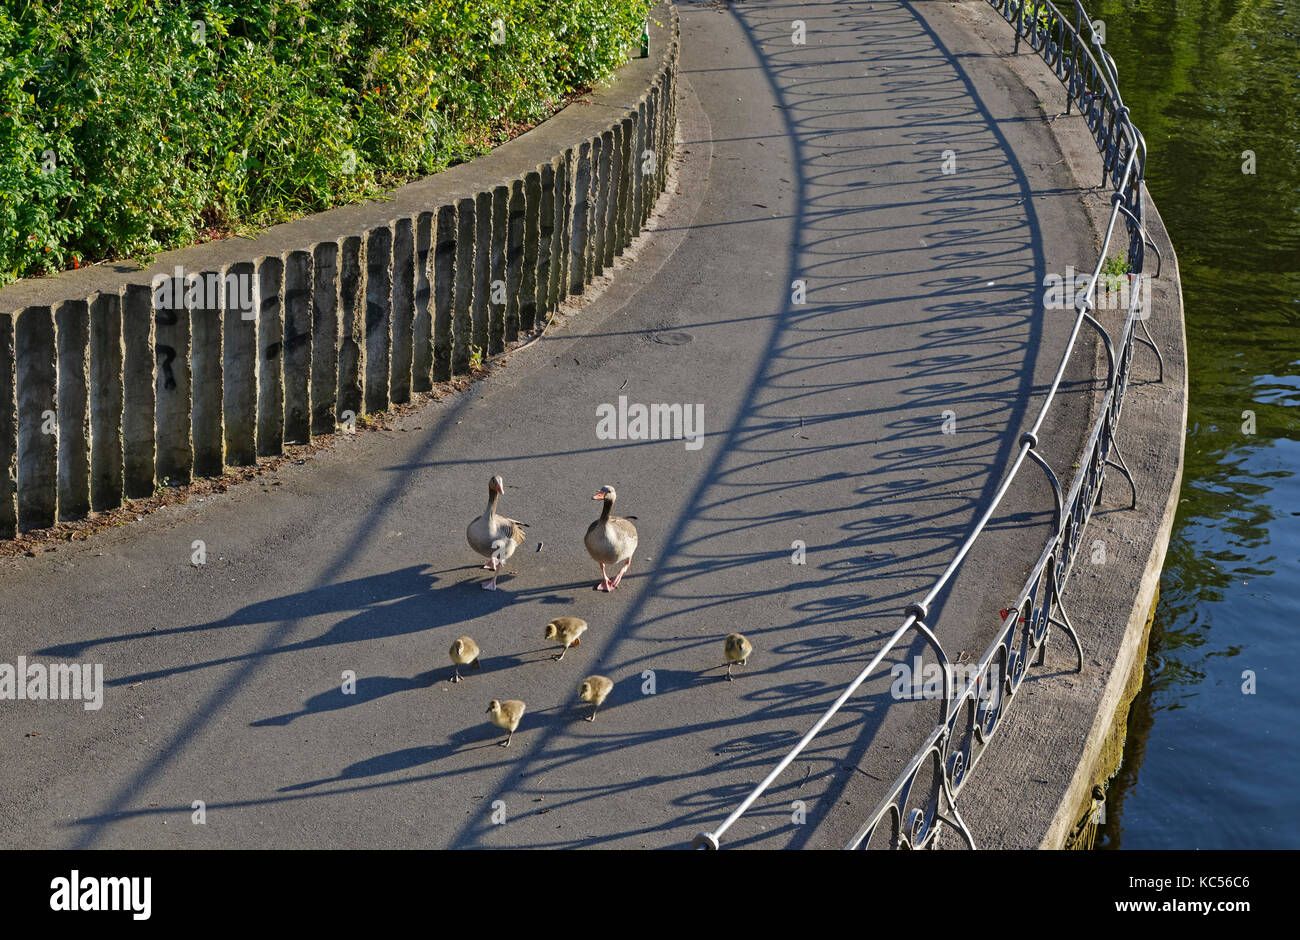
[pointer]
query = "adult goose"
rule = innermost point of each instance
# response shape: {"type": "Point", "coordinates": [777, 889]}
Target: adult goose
{"type": "Point", "coordinates": [493, 535]}
{"type": "Point", "coordinates": [611, 540]}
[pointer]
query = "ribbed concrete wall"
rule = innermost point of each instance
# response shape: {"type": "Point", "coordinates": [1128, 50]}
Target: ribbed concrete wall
{"type": "Point", "coordinates": [104, 394]}
{"type": "Point", "coordinates": [352, 340]}
{"type": "Point", "coordinates": [106, 403]}
{"type": "Point", "coordinates": [8, 431]}
{"type": "Point", "coordinates": [240, 358]}
{"type": "Point", "coordinates": [325, 338]}
{"type": "Point", "coordinates": [138, 368]}
{"type": "Point", "coordinates": [270, 362]}
{"type": "Point", "coordinates": [422, 326]}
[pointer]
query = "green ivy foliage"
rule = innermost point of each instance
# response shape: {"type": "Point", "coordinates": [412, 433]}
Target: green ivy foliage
{"type": "Point", "coordinates": [129, 127]}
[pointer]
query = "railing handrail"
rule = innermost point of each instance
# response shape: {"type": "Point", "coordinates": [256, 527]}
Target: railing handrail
{"type": "Point", "coordinates": [1127, 187]}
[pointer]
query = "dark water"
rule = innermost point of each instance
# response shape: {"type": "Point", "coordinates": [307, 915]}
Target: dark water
{"type": "Point", "coordinates": [1208, 765]}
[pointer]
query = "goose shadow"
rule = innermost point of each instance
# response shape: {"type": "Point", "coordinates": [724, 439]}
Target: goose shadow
{"type": "Point", "coordinates": [481, 735]}
{"type": "Point", "coordinates": [388, 606]}
{"type": "Point", "coordinates": [368, 689]}
{"type": "Point", "coordinates": [373, 688]}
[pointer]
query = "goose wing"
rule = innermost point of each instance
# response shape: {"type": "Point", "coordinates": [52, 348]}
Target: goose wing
{"type": "Point", "coordinates": [517, 532]}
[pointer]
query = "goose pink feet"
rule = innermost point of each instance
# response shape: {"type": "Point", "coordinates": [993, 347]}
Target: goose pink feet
{"type": "Point", "coordinates": [610, 540]}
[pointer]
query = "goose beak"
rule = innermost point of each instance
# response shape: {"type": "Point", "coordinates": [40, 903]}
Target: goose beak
{"type": "Point", "coordinates": [599, 496]}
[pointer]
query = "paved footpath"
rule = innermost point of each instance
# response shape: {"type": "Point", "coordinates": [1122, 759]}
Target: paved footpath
{"type": "Point", "coordinates": [820, 162]}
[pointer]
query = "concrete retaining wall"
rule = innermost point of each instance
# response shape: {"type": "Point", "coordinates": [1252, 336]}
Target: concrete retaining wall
{"type": "Point", "coordinates": [114, 378]}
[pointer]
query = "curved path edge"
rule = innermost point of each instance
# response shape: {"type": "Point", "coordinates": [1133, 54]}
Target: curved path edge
{"type": "Point", "coordinates": [1035, 787]}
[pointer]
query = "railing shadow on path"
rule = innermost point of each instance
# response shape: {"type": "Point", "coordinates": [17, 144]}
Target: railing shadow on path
{"type": "Point", "coordinates": [921, 801]}
{"type": "Point", "coordinates": [975, 348]}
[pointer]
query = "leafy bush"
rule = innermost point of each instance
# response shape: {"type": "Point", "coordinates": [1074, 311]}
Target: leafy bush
{"type": "Point", "coordinates": [129, 127]}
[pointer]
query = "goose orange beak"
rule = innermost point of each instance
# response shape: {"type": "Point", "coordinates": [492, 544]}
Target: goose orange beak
{"type": "Point", "coordinates": [599, 496]}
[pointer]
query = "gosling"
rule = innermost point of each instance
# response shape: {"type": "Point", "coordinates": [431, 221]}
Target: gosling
{"type": "Point", "coordinates": [506, 715]}
{"type": "Point", "coordinates": [595, 689]}
{"type": "Point", "coordinates": [565, 631]}
{"type": "Point", "coordinates": [464, 652]}
{"type": "Point", "coordinates": [738, 650]}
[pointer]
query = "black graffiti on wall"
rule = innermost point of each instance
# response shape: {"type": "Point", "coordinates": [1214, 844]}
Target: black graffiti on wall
{"type": "Point", "coordinates": [166, 354]}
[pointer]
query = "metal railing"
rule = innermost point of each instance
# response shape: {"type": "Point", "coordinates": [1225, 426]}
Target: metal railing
{"type": "Point", "coordinates": [973, 715]}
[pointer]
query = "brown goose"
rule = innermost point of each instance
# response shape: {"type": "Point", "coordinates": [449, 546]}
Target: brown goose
{"type": "Point", "coordinates": [611, 540]}
{"type": "Point", "coordinates": [494, 536]}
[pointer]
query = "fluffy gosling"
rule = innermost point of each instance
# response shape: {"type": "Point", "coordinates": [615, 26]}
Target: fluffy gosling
{"type": "Point", "coordinates": [737, 649]}
{"type": "Point", "coordinates": [595, 689]}
{"type": "Point", "coordinates": [464, 652]}
{"type": "Point", "coordinates": [565, 631]}
{"type": "Point", "coordinates": [506, 715]}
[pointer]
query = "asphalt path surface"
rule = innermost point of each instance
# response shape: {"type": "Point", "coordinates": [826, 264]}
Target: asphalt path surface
{"type": "Point", "coordinates": [823, 425]}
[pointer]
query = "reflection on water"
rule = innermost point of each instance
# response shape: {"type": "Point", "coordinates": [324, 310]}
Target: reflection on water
{"type": "Point", "coordinates": [1209, 761]}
